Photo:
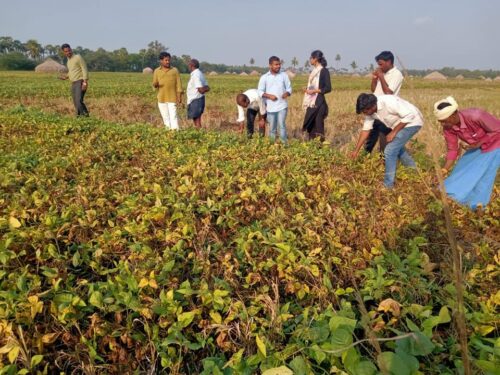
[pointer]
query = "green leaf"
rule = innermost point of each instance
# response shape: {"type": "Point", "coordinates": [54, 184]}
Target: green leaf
{"type": "Point", "coordinates": [390, 362]}
{"type": "Point", "coordinates": [364, 368]}
{"type": "Point", "coordinates": [261, 346]}
{"type": "Point", "coordinates": [338, 321]}
{"type": "Point", "coordinates": [299, 366]}
{"type": "Point", "coordinates": [36, 359]}
{"type": "Point", "coordinates": [96, 299]}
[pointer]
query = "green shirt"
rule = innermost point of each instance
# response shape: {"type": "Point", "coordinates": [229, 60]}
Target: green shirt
{"type": "Point", "coordinates": [77, 69]}
{"type": "Point", "coordinates": [170, 84]}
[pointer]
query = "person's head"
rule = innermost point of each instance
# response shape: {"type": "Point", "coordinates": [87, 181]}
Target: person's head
{"type": "Point", "coordinates": [366, 104]}
{"type": "Point", "coordinates": [317, 57]}
{"type": "Point", "coordinates": [446, 112]}
{"type": "Point", "coordinates": [68, 52]}
{"type": "Point", "coordinates": [274, 64]}
{"type": "Point", "coordinates": [242, 100]}
{"type": "Point", "coordinates": [165, 59]}
{"type": "Point", "coordinates": [193, 64]}
{"type": "Point", "coordinates": [385, 60]}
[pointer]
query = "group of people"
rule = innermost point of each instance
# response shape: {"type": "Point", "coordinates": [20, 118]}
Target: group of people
{"type": "Point", "coordinates": [389, 119]}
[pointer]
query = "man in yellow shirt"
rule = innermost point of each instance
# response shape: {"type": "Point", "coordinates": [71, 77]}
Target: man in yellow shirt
{"type": "Point", "coordinates": [78, 74]}
{"type": "Point", "coordinates": [167, 81]}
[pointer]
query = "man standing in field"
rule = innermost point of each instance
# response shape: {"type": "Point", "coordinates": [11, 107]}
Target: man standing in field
{"type": "Point", "coordinates": [167, 81]}
{"type": "Point", "coordinates": [78, 74]}
{"type": "Point", "coordinates": [254, 105]}
{"type": "Point", "coordinates": [386, 80]}
{"type": "Point", "coordinates": [196, 89]}
{"type": "Point", "coordinates": [275, 88]}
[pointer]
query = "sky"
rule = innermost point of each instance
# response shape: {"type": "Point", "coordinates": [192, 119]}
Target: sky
{"type": "Point", "coordinates": [421, 33]}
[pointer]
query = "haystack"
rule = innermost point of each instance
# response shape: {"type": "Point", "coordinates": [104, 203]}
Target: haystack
{"type": "Point", "coordinates": [243, 74]}
{"type": "Point", "coordinates": [254, 73]}
{"type": "Point", "coordinates": [234, 73]}
{"type": "Point", "coordinates": [459, 77]}
{"type": "Point", "coordinates": [226, 72]}
{"type": "Point", "coordinates": [51, 66]}
{"type": "Point", "coordinates": [290, 74]}
{"type": "Point", "coordinates": [488, 79]}
{"type": "Point", "coordinates": [369, 75]}
{"type": "Point", "coordinates": [497, 78]}
{"type": "Point", "coordinates": [435, 76]}
{"type": "Point", "coordinates": [212, 73]}
{"type": "Point", "coordinates": [355, 75]}
{"type": "Point", "coordinates": [147, 70]}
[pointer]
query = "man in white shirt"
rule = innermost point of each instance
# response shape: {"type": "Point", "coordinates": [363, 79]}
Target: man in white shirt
{"type": "Point", "coordinates": [254, 104]}
{"type": "Point", "coordinates": [404, 120]}
{"type": "Point", "coordinates": [275, 87]}
{"type": "Point", "coordinates": [386, 80]}
{"type": "Point", "coordinates": [196, 89]}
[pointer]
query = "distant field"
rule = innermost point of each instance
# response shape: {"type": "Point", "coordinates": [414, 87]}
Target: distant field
{"type": "Point", "coordinates": [126, 249]}
{"type": "Point", "coordinates": [128, 98]}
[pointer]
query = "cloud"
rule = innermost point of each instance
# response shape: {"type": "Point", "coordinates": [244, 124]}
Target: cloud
{"type": "Point", "coordinates": [419, 21]}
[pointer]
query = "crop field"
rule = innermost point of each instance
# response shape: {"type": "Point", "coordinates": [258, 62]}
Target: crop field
{"type": "Point", "coordinates": [127, 249]}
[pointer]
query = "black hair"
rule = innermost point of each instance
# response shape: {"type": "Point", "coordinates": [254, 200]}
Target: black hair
{"type": "Point", "coordinates": [163, 55]}
{"type": "Point", "coordinates": [386, 56]}
{"type": "Point", "coordinates": [365, 101]}
{"type": "Point", "coordinates": [241, 97]}
{"type": "Point", "coordinates": [195, 63]}
{"type": "Point", "coordinates": [65, 45]}
{"type": "Point", "coordinates": [273, 58]}
{"type": "Point", "coordinates": [443, 105]}
{"type": "Point", "coordinates": [318, 55]}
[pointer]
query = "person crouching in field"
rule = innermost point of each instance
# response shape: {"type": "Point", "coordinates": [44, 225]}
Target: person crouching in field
{"type": "Point", "coordinates": [196, 89]}
{"type": "Point", "coordinates": [473, 177]}
{"type": "Point", "coordinates": [78, 74]}
{"type": "Point", "coordinates": [402, 117]}
{"type": "Point", "coordinates": [255, 106]}
{"type": "Point", "coordinates": [275, 88]}
{"type": "Point", "coordinates": [314, 101]}
{"type": "Point", "coordinates": [167, 81]}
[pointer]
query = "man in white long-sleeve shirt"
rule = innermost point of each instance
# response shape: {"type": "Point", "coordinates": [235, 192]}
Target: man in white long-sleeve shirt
{"type": "Point", "coordinates": [255, 106]}
{"type": "Point", "coordinates": [404, 120]}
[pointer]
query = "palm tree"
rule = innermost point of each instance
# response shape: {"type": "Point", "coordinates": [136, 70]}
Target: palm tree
{"type": "Point", "coordinates": [307, 64]}
{"type": "Point", "coordinates": [354, 65]}
{"type": "Point", "coordinates": [295, 62]}
{"type": "Point", "coordinates": [337, 58]}
{"type": "Point", "coordinates": [252, 61]}
{"type": "Point", "coordinates": [34, 49]}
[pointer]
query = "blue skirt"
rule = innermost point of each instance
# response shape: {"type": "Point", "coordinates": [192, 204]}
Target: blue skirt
{"type": "Point", "coordinates": [473, 177]}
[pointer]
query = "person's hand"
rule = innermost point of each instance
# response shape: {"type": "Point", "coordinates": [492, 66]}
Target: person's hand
{"type": "Point", "coordinates": [156, 85]}
{"type": "Point", "coordinates": [310, 92]}
{"type": "Point", "coordinates": [62, 77]}
{"type": "Point", "coordinates": [377, 73]}
{"type": "Point", "coordinates": [472, 146]}
{"type": "Point", "coordinates": [272, 97]}
{"type": "Point", "coordinates": [354, 154]}
{"type": "Point", "coordinates": [85, 85]}
{"type": "Point", "coordinates": [390, 137]}
{"type": "Point", "coordinates": [262, 123]}
{"type": "Point", "coordinates": [285, 95]}
{"type": "Point", "coordinates": [240, 127]}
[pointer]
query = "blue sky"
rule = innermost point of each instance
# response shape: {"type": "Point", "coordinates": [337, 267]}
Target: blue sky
{"type": "Point", "coordinates": [422, 33]}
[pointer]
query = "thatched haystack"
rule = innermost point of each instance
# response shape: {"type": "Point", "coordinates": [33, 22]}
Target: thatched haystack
{"type": "Point", "coordinates": [213, 73]}
{"type": "Point", "coordinates": [226, 72]}
{"type": "Point", "coordinates": [147, 70]}
{"type": "Point", "coordinates": [51, 66]}
{"type": "Point", "coordinates": [254, 73]}
{"type": "Point", "coordinates": [460, 77]}
{"type": "Point", "coordinates": [497, 78]}
{"type": "Point", "coordinates": [243, 74]}
{"type": "Point", "coordinates": [290, 74]}
{"type": "Point", "coordinates": [488, 79]}
{"type": "Point", "coordinates": [355, 75]}
{"type": "Point", "coordinates": [435, 76]}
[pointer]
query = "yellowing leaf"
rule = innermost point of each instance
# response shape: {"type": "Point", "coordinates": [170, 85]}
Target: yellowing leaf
{"type": "Point", "coordinates": [49, 338]}
{"type": "Point", "coordinates": [14, 223]}
{"type": "Point", "coordinates": [153, 284]}
{"type": "Point", "coordinates": [389, 305]}
{"type": "Point", "coordinates": [400, 200]}
{"type": "Point", "coordinates": [216, 317]}
{"type": "Point", "coordinates": [144, 282]}
{"type": "Point", "coordinates": [14, 352]}
{"type": "Point", "coordinates": [283, 370]}
{"type": "Point", "coordinates": [261, 346]}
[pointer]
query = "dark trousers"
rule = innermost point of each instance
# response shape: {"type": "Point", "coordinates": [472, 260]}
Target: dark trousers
{"type": "Point", "coordinates": [77, 93]}
{"type": "Point", "coordinates": [380, 130]}
{"type": "Point", "coordinates": [251, 116]}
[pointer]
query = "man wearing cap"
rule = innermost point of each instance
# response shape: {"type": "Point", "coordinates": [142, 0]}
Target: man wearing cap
{"type": "Point", "coordinates": [471, 181]}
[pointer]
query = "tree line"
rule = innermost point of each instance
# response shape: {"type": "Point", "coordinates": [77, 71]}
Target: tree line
{"type": "Point", "coordinates": [16, 55]}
